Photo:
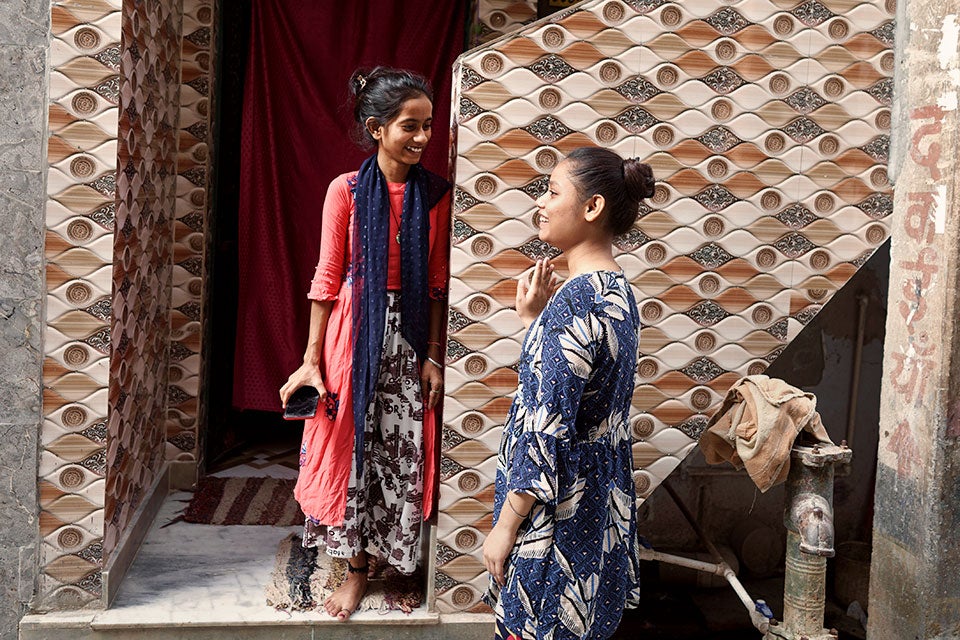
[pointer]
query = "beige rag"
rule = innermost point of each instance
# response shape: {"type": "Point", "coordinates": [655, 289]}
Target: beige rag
{"type": "Point", "coordinates": [756, 426]}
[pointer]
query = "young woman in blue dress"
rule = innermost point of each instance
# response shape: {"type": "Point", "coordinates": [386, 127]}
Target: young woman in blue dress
{"type": "Point", "coordinates": [562, 551]}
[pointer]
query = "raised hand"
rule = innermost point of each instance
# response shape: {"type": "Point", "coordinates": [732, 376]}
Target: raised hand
{"type": "Point", "coordinates": [534, 290]}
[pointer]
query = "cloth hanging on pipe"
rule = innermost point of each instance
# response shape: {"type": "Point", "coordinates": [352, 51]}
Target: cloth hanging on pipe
{"type": "Point", "coordinates": [756, 426]}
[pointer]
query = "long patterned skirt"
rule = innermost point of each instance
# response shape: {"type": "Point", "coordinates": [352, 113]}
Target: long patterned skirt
{"type": "Point", "coordinates": [385, 506]}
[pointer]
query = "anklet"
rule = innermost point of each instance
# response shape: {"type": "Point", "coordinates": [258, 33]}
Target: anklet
{"type": "Point", "coordinates": [353, 569]}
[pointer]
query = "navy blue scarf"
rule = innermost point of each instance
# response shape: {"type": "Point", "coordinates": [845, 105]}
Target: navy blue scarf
{"type": "Point", "coordinates": [371, 238]}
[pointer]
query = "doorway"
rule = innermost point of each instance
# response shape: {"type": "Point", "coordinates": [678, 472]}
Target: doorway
{"type": "Point", "coordinates": [266, 238]}
{"type": "Point", "coordinates": [233, 437]}
{"type": "Point", "coordinates": [239, 441]}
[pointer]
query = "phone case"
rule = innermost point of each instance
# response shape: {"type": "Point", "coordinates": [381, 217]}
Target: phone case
{"type": "Point", "coordinates": [302, 403]}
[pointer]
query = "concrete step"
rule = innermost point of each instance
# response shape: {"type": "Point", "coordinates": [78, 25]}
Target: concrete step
{"type": "Point", "coordinates": [118, 625]}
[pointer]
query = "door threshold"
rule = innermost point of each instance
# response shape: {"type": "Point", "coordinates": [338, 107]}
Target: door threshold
{"type": "Point", "coordinates": [119, 619]}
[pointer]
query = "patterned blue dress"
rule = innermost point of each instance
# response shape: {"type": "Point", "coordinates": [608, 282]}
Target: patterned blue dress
{"type": "Point", "coordinates": [574, 567]}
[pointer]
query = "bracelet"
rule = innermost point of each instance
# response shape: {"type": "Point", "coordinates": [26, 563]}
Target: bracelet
{"type": "Point", "coordinates": [434, 363]}
{"type": "Point", "coordinates": [515, 512]}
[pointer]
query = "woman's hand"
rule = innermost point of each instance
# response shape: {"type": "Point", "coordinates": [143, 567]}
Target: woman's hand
{"type": "Point", "coordinates": [308, 374]}
{"type": "Point", "coordinates": [431, 384]}
{"type": "Point", "coordinates": [496, 550]}
{"type": "Point", "coordinates": [309, 371]}
{"type": "Point", "coordinates": [535, 290]}
{"type": "Point", "coordinates": [516, 508]}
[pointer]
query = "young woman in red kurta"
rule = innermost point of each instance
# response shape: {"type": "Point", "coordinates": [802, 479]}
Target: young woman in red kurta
{"type": "Point", "coordinates": [366, 464]}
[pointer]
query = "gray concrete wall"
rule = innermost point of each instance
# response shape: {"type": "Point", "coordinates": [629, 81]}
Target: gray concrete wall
{"type": "Point", "coordinates": [915, 570]}
{"type": "Point", "coordinates": [24, 43]}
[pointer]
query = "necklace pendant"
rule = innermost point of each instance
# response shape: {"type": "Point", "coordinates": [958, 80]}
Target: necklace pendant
{"type": "Point", "coordinates": [398, 237]}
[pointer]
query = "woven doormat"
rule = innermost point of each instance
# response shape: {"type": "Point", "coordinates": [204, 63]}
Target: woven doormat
{"type": "Point", "coordinates": [303, 579]}
{"type": "Point", "coordinates": [263, 501]}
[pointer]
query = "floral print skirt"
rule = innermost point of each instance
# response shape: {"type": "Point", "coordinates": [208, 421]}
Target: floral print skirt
{"type": "Point", "coordinates": [385, 506]}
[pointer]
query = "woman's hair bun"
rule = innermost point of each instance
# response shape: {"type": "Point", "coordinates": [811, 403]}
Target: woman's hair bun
{"type": "Point", "coordinates": [622, 183]}
{"type": "Point", "coordinates": [358, 80]}
{"type": "Point", "coordinates": [638, 179]}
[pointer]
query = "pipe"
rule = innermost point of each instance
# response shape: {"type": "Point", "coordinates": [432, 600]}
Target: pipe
{"type": "Point", "coordinates": [862, 301]}
{"type": "Point", "coordinates": [804, 590]}
{"type": "Point", "coordinates": [714, 568]}
{"type": "Point", "coordinates": [760, 621]}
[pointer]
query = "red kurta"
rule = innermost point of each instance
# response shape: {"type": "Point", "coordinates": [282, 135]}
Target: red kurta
{"type": "Point", "coordinates": [327, 449]}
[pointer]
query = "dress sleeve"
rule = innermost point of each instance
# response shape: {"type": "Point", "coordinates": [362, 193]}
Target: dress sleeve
{"type": "Point", "coordinates": [439, 262]}
{"type": "Point", "coordinates": [333, 242]}
{"type": "Point", "coordinates": [545, 461]}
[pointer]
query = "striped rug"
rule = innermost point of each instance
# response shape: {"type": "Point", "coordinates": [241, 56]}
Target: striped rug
{"type": "Point", "coordinates": [263, 501]}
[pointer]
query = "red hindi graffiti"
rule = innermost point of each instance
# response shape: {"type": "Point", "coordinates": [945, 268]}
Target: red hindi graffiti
{"type": "Point", "coordinates": [932, 156]}
{"type": "Point", "coordinates": [903, 444]}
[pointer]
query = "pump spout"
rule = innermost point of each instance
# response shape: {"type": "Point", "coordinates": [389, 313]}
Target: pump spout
{"type": "Point", "coordinates": [812, 518]}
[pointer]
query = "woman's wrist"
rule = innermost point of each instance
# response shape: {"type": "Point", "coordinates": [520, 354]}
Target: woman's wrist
{"type": "Point", "coordinates": [509, 523]}
{"type": "Point", "coordinates": [515, 510]}
{"type": "Point", "coordinates": [525, 317]}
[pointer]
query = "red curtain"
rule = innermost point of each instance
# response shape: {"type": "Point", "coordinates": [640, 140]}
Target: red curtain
{"type": "Point", "coordinates": [297, 121]}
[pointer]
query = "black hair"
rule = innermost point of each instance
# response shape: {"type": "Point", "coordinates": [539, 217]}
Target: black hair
{"type": "Point", "coordinates": [379, 94]}
{"type": "Point", "coordinates": [621, 182]}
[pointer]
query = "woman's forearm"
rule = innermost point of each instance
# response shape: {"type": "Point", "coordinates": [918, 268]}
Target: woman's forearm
{"type": "Point", "coordinates": [515, 510]}
{"type": "Point", "coordinates": [319, 316]}
{"type": "Point", "coordinates": [434, 347]}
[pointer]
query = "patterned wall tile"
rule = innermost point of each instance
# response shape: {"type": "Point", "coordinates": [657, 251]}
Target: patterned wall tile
{"type": "Point", "coordinates": [81, 210]}
{"type": "Point", "coordinates": [494, 18]}
{"type": "Point", "coordinates": [765, 122]}
{"type": "Point", "coordinates": [123, 308]}
{"type": "Point", "coordinates": [190, 233]}
{"type": "Point", "coordinates": [143, 250]}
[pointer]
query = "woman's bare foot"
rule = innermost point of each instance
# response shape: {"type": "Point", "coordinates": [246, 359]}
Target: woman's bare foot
{"type": "Point", "coordinates": [343, 602]}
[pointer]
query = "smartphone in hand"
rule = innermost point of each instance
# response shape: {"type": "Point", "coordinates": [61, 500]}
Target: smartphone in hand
{"type": "Point", "coordinates": [302, 403]}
